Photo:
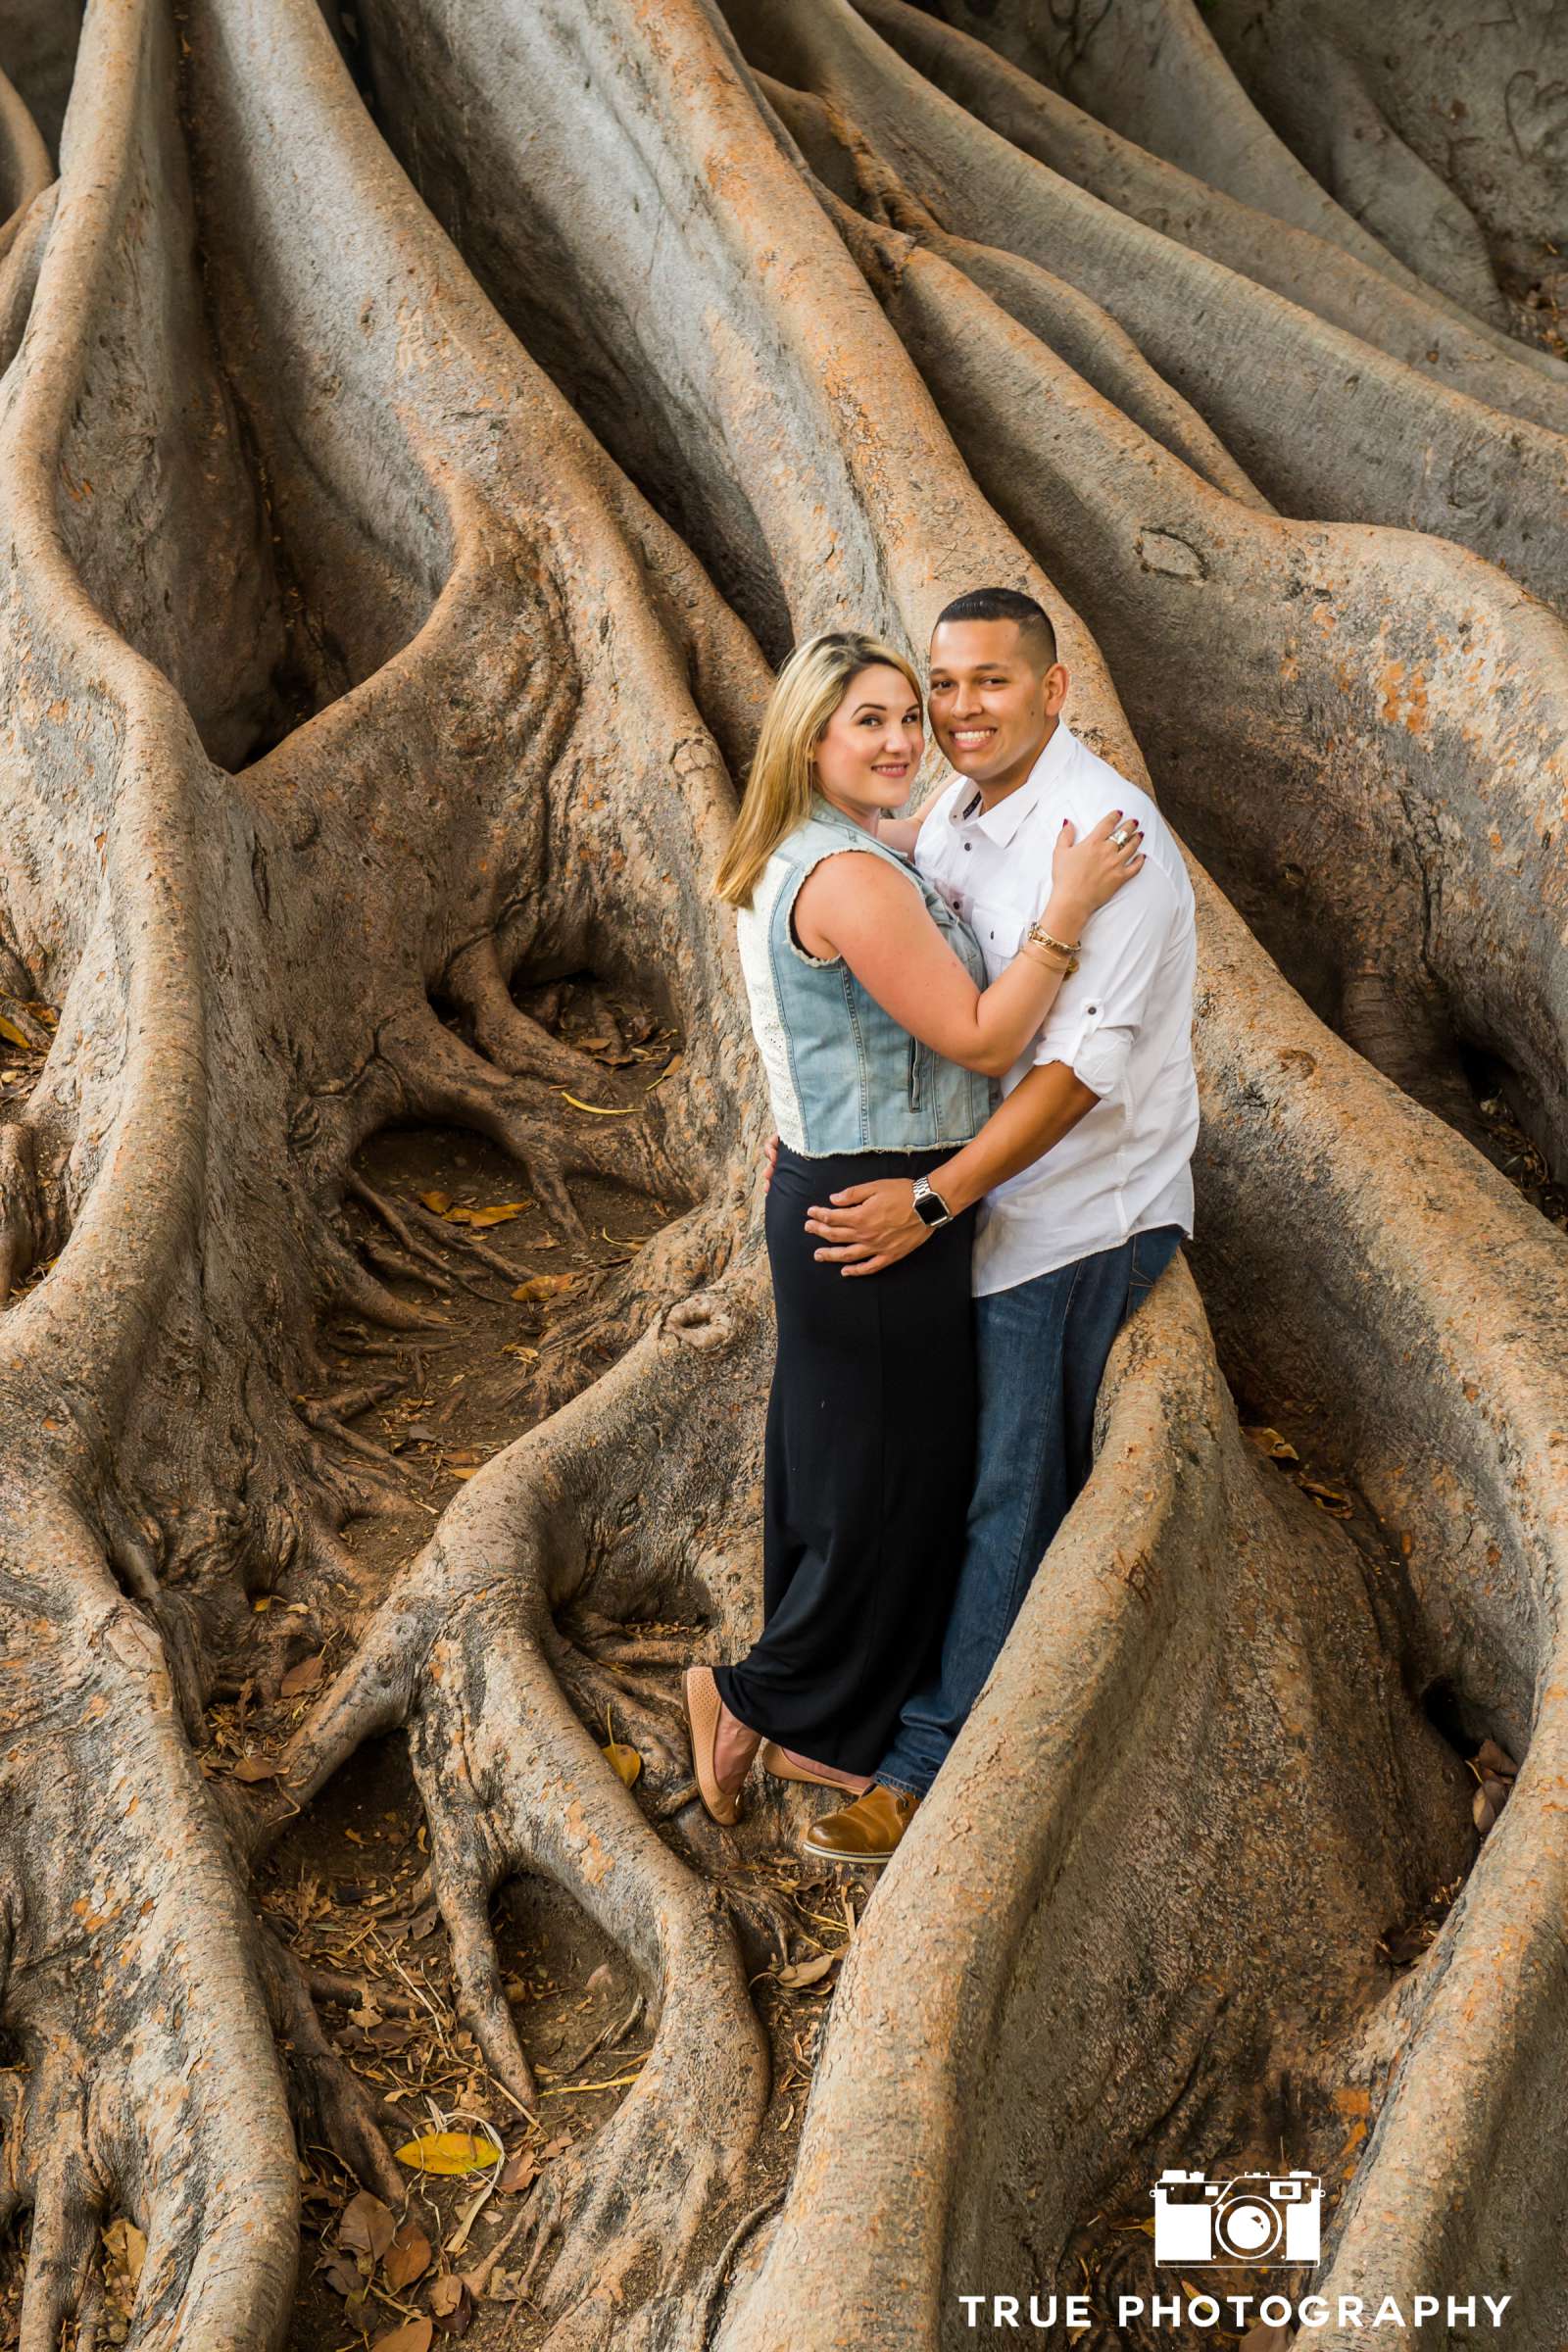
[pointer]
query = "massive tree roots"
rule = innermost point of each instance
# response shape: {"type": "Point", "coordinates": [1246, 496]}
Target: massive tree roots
{"type": "Point", "coordinates": [419, 428]}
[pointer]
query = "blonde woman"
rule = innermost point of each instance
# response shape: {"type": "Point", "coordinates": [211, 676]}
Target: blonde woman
{"type": "Point", "coordinates": [879, 1041]}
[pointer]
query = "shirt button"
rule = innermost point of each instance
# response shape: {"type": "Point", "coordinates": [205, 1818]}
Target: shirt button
{"type": "Point", "coordinates": [968, 844]}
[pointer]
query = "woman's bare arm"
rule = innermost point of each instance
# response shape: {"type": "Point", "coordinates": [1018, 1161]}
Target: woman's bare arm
{"type": "Point", "coordinates": [858, 907]}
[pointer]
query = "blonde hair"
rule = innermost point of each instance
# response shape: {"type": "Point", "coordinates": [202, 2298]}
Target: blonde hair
{"type": "Point", "coordinates": [778, 792]}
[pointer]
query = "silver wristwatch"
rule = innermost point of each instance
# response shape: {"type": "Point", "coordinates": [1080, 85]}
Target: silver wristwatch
{"type": "Point", "coordinates": [929, 1206]}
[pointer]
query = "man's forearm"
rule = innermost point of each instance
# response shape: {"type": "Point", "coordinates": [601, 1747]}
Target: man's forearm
{"type": "Point", "coordinates": [1040, 1111]}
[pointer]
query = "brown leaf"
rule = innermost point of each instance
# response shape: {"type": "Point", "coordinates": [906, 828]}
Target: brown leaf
{"type": "Point", "coordinates": [368, 2226]}
{"type": "Point", "coordinates": [305, 1676]}
{"type": "Point", "coordinates": [413, 2337]}
{"type": "Point", "coordinates": [407, 2258]}
{"type": "Point", "coordinates": [1490, 1758]}
{"type": "Point", "coordinates": [126, 2248]}
{"type": "Point", "coordinates": [1263, 2336]}
{"type": "Point", "coordinates": [452, 2306]}
{"type": "Point", "coordinates": [1269, 1442]}
{"type": "Point", "coordinates": [518, 2173]}
{"type": "Point", "coordinates": [802, 1972]}
{"type": "Point", "coordinates": [439, 1201]}
{"type": "Point", "coordinates": [1327, 1499]}
{"type": "Point", "coordinates": [342, 2277]}
{"type": "Point", "coordinates": [257, 1768]}
{"type": "Point", "coordinates": [502, 1213]}
{"type": "Point", "coordinates": [1481, 1813]}
{"type": "Point", "coordinates": [542, 1286]}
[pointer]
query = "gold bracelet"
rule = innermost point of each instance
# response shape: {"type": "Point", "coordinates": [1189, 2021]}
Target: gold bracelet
{"type": "Point", "coordinates": [1038, 939]}
{"type": "Point", "coordinates": [1039, 953]}
{"type": "Point", "coordinates": [1046, 939]}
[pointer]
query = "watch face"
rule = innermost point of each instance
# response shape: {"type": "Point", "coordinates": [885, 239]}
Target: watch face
{"type": "Point", "coordinates": [929, 1209]}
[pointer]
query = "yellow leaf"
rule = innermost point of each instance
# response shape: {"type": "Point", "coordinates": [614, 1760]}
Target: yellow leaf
{"type": "Point", "coordinates": [669, 1070]}
{"type": "Point", "coordinates": [450, 2153]}
{"type": "Point", "coordinates": [1269, 1442]}
{"type": "Point", "coordinates": [600, 1111]}
{"type": "Point", "coordinates": [11, 1034]}
{"type": "Point", "coordinates": [625, 1762]}
{"type": "Point", "coordinates": [500, 1214]}
{"type": "Point", "coordinates": [439, 1201]}
{"type": "Point", "coordinates": [542, 1286]}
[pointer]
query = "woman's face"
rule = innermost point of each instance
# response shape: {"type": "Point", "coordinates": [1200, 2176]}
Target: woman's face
{"type": "Point", "coordinates": [870, 748]}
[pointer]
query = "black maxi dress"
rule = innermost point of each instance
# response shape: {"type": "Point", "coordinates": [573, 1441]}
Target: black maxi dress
{"type": "Point", "coordinates": [869, 1459]}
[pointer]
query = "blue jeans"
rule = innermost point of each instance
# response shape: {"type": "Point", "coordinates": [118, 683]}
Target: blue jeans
{"type": "Point", "coordinates": [1042, 1349]}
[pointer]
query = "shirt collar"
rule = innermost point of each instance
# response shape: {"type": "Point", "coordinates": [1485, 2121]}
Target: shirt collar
{"type": "Point", "coordinates": [1001, 824]}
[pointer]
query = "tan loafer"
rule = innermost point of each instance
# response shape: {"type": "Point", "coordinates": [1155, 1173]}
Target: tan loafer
{"type": "Point", "coordinates": [785, 1765]}
{"type": "Point", "coordinates": [712, 1727]}
{"type": "Point", "coordinates": [866, 1831]}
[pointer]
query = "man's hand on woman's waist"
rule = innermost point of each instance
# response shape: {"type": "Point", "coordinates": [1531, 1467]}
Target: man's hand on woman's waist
{"type": "Point", "coordinates": [869, 1226]}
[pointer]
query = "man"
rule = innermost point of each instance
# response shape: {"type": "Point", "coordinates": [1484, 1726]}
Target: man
{"type": "Point", "coordinates": [1083, 1169]}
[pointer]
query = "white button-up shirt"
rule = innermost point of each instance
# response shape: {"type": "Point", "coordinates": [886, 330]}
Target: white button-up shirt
{"type": "Point", "coordinates": [1122, 1023]}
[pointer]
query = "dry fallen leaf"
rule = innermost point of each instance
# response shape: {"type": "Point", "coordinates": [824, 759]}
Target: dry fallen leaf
{"type": "Point", "coordinates": [600, 1111]}
{"type": "Point", "coordinates": [625, 1762]}
{"type": "Point", "coordinates": [452, 2306]}
{"type": "Point", "coordinates": [518, 2173]}
{"type": "Point", "coordinates": [802, 1972]}
{"type": "Point", "coordinates": [126, 2248]}
{"type": "Point", "coordinates": [11, 1034]}
{"type": "Point", "coordinates": [542, 1286]}
{"type": "Point", "coordinates": [343, 2276]}
{"type": "Point", "coordinates": [367, 2226]}
{"type": "Point", "coordinates": [439, 1201]}
{"type": "Point", "coordinates": [407, 2258]}
{"type": "Point", "coordinates": [305, 1676]}
{"type": "Point", "coordinates": [415, 2337]}
{"type": "Point", "coordinates": [1327, 1499]}
{"type": "Point", "coordinates": [501, 1214]}
{"type": "Point", "coordinates": [1269, 1442]}
{"type": "Point", "coordinates": [450, 2153]}
{"type": "Point", "coordinates": [257, 1768]}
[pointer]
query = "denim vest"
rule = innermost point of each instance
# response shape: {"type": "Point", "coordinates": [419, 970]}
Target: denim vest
{"type": "Point", "coordinates": [842, 1074]}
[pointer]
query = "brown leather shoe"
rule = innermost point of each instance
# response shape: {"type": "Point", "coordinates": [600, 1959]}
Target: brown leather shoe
{"type": "Point", "coordinates": [785, 1764]}
{"type": "Point", "coordinates": [867, 1830]}
{"type": "Point", "coordinates": [722, 1747]}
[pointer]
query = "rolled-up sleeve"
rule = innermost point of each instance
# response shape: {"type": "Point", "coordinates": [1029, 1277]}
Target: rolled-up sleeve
{"type": "Point", "coordinates": [1098, 1011]}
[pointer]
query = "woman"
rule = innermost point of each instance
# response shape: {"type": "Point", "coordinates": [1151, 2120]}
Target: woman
{"type": "Point", "coordinates": [879, 1040]}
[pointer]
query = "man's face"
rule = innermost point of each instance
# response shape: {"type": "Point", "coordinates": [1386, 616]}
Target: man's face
{"type": "Point", "coordinates": [991, 709]}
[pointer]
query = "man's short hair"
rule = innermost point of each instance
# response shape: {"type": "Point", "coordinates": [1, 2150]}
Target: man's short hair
{"type": "Point", "coordinates": [1008, 604]}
